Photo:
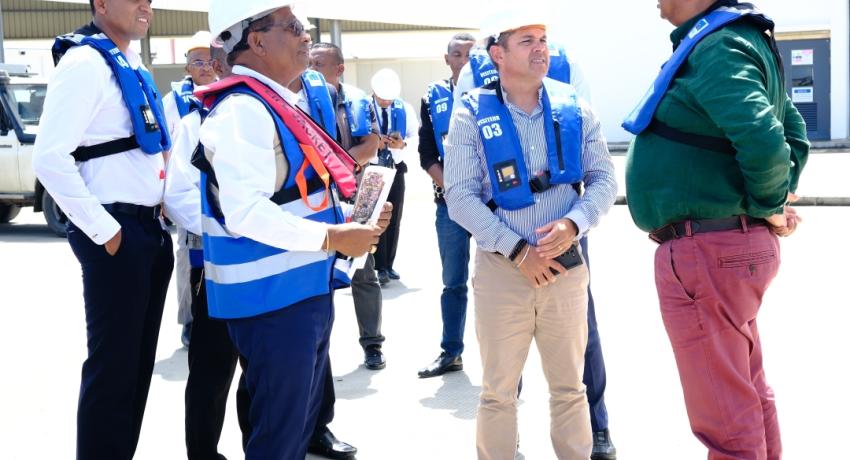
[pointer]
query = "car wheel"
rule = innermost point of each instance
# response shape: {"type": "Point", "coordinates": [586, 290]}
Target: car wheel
{"type": "Point", "coordinates": [8, 212]}
{"type": "Point", "coordinates": [54, 216]}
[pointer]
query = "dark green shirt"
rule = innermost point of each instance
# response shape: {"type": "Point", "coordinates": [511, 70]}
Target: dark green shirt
{"type": "Point", "coordinates": [730, 86]}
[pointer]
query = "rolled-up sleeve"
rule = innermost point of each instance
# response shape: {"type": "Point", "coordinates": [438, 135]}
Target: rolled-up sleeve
{"type": "Point", "coordinates": [465, 171]}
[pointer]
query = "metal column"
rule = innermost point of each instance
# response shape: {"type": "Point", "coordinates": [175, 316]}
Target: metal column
{"type": "Point", "coordinates": [336, 32]}
{"type": "Point", "coordinates": [2, 44]}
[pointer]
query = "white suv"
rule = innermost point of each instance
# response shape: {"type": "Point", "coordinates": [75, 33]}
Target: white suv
{"type": "Point", "coordinates": [21, 104]}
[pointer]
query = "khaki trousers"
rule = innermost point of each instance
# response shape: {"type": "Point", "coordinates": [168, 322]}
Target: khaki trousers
{"type": "Point", "coordinates": [509, 312]}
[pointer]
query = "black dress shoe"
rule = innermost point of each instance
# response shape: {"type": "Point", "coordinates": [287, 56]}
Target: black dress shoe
{"type": "Point", "coordinates": [374, 358]}
{"type": "Point", "coordinates": [383, 277]}
{"type": "Point", "coordinates": [445, 363]}
{"type": "Point", "coordinates": [393, 274]}
{"type": "Point", "coordinates": [603, 447]}
{"type": "Point", "coordinates": [328, 446]}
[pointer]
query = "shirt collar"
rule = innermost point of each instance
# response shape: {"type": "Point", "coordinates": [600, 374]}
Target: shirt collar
{"type": "Point", "coordinates": [283, 91]}
{"type": "Point", "coordinates": [516, 108]}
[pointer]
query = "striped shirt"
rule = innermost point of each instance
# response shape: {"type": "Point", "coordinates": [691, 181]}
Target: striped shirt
{"type": "Point", "coordinates": [468, 185]}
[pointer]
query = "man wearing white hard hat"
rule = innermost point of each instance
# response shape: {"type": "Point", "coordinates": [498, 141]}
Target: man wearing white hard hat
{"type": "Point", "coordinates": [272, 223]}
{"type": "Point", "coordinates": [178, 103]}
{"type": "Point", "coordinates": [480, 71]}
{"type": "Point", "coordinates": [399, 129]}
{"type": "Point", "coordinates": [528, 174]}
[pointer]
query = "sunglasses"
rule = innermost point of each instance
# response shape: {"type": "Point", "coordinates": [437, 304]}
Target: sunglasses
{"type": "Point", "coordinates": [200, 63]}
{"type": "Point", "coordinates": [294, 26]}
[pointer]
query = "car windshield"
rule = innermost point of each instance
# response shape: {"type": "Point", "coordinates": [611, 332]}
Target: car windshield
{"type": "Point", "coordinates": [28, 100]}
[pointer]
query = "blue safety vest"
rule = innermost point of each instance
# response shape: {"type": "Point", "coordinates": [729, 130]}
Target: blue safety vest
{"type": "Point", "coordinates": [319, 98]}
{"type": "Point", "coordinates": [397, 117]}
{"type": "Point", "coordinates": [440, 102]}
{"type": "Point", "coordinates": [509, 177]}
{"type": "Point", "coordinates": [246, 278]}
{"type": "Point", "coordinates": [184, 96]}
{"type": "Point", "coordinates": [357, 111]}
{"type": "Point", "coordinates": [484, 72]}
{"type": "Point", "coordinates": [642, 115]}
{"type": "Point", "coordinates": [137, 88]}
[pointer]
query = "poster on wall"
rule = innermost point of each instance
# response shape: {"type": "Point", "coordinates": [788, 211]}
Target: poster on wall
{"type": "Point", "coordinates": [803, 57]}
{"type": "Point", "coordinates": [802, 94]}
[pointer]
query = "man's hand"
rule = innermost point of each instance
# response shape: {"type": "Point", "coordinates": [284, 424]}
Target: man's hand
{"type": "Point", "coordinates": [386, 215]}
{"type": "Point", "coordinates": [352, 239]}
{"type": "Point", "coordinates": [113, 244]}
{"type": "Point", "coordinates": [394, 142]}
{"type": "Point", "coordinates": [786, 223]}
{"type": "Point", "coordinates": [537, 269]}
{"type": "Point", "coordinates": [560, 235]}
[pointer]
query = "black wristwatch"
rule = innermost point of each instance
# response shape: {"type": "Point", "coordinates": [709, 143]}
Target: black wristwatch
{"type": "Point", "coordinates": [518, 249]}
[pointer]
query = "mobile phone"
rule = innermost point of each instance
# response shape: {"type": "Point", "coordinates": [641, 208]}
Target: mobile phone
{"type": "Point", "coordinates": [395, 135]}
{"type": "Point", "coordinates": [569, 259]}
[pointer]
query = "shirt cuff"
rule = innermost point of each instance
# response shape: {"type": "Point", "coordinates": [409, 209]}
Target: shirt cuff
{"type": "Point", "coordinates": [581, 221]}
{"type": "Point", "coordinates": [507, 245]}
{"type": "Point", "coordinates": [101, 230]}
{"type": "Point", "coordinates": [314, 234]}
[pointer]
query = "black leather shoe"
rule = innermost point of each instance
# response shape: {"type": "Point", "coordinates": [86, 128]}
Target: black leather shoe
{"type": "Point", "coordinates": [393, 274]}
{"type": "Point", "coordinates": [445, 363]}
{"type": "Point", "coordinates": [328, 446]}
{"type": "Point", "coordinates": [374, 358]}
{"type": "Point", "coordinates": [383, 277]}
{"type": "Point", "coordinates": [603, 447]}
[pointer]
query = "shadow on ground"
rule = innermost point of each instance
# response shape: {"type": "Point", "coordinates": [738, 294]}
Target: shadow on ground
{"type": "Point", "coordinates": [457, 394]}
{"type": "Point", "coordinates": [175, 368]}
{"type": "Point", "coordinates": [355, 385]}
{"type": "Point", "coordinates": [28, 233]}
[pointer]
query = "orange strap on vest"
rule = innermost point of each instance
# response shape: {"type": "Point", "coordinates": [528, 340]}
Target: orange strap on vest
{"type": "Point", "coordinates": [312, 159]}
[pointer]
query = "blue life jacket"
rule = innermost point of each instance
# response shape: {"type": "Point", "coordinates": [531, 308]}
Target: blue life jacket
{"type": "Point", "coordinates": [513, 188]}
{"type": "Point", "coordinates": [137, 88]}
{"type": "Point", "coordinates": [484, 72]}
{"type": "Point", "coordinates": [397, 116]}
{"type": "Point", "coordinates": [357, 111]}
{"type": "Point", "coordinates": [322, 108]}
{"type": "Point", "coordinates": [440, 102]}
{"type": "Point", "coordinates": [184, 96]}
{"type": "Point", "coordinates": [246, 278]}
{"type": "Point", "coordinates": [642, 116]}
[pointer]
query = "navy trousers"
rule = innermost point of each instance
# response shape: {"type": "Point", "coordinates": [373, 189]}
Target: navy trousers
{"type": "Point", "coordinates": [124, 298]}
{"type": "Point", "coordinates": [594, 364]}
{"type": "Point", "coordinates": [287, 357]}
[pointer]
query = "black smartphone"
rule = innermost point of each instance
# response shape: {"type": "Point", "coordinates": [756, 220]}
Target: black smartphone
{"type": "Point", "coordinates": [569, 259]}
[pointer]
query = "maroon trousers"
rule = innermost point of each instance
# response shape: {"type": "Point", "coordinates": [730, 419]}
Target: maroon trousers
{"type": "Point", "coordinates": [710, 287]}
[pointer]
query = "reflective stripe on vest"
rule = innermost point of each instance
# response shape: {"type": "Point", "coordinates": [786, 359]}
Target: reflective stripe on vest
{"type": "Point", "coordinates": [440, 100]}
{"type": "Point", "coordinates": [247, 278]}
{"type": "Point", "coordinates": [642, 115]}
{"type": "Point", "coordinates": [184, 96]}
{"type": "Point", "coordinates": [357, 111]}
{"type": "Point", "coordinates": [484, 72]}
{"type": "Point", "coordinates": [509, 176]}
{"type": "Point", "coordinates": [137, 89]}
{"type": "Point", "coordinates": [319, 98]}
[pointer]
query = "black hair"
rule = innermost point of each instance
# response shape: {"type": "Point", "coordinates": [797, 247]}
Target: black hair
{"type": "Point", "coordinates": [91, 5]}
{"type": "Point", "coordinates": [460, 37]}
{"type": "Point", "coordinates": [334, 50]}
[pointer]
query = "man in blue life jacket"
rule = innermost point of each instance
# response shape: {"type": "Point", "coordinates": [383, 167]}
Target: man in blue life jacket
{"type": "Point", "coordinates": [178, 103]}
{"type": "Point", "coordinates": [212, 355]}
{"type": "Point", "coordinates": [452, 239]}
{"type": "Point", "coordinates": [718, 153]}
{"type": "Point", "coordinates": [399, 133]}
{"type": "Point", "coordinates": [517, 155]}
{"type": "Point", "coordinates": [272, 223]}
{"type": "Point", "coordinates": [479, 70]}
{"type": "Point", "coordinates": [99, 154]}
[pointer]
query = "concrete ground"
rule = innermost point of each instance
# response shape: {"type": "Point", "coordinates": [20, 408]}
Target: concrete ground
{"type": "Point", "coordinates": [391, 414]}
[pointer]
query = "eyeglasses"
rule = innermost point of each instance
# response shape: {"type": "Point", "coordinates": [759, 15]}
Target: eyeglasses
{"type": "Point", "coordinates": [294, 26]}
{"type": "Point", "coordinates": [200, 63]}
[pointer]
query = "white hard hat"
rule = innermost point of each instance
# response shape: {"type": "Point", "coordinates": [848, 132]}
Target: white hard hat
{"type": "Point", "coordinates": [507, 16]}
{"type": "Point", "coordinates": [308, 26]}
{"type": "Point", "coordinates": [201, 40]}
{"type": "Point", "coordinates": [234, 16]}
{"type": "Point", "coordinates": [386, 84]}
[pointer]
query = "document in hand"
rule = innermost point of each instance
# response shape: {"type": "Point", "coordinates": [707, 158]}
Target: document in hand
{"type": "Point", "coordinates": [372, 193]}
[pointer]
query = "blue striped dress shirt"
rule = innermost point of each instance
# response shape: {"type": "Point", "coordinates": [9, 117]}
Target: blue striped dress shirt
{"type": "Point", "coordinates": [468, 183]}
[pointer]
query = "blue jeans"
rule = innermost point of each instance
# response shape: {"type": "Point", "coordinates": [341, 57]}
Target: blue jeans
{"type": "Point", "coordinates": [453, 241]}
{"type": "Point", "coordinates": [594, 364]}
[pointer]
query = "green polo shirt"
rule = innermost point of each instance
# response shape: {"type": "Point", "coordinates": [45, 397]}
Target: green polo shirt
{"type": "Point", "coordinates": [730, 86]}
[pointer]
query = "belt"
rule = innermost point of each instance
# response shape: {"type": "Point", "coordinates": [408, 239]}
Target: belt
{"type": "Point", "coordinates": [690, 227]}
{"type": "Point", "coordinates": [142, 212]}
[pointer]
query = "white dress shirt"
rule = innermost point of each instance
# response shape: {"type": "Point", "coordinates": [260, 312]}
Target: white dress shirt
{"type": "Point", "coordinates": [412, 139]}
{"type": "Point", "coordinates": [182, 180]}
{"type": "Point", "coordinates": [239, 136]}
{"type": "Point", "coordinates": [84, 107]}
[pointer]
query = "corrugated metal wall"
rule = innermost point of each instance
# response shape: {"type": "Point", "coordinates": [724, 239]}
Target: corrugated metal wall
{"type": "Point", "coordinates": [29, 19]}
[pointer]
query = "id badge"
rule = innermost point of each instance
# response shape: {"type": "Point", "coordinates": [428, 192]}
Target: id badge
{"type": "Point", "coordinates": [507, 175]}
{"type": "Point", "coordinates": [150, 120]}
